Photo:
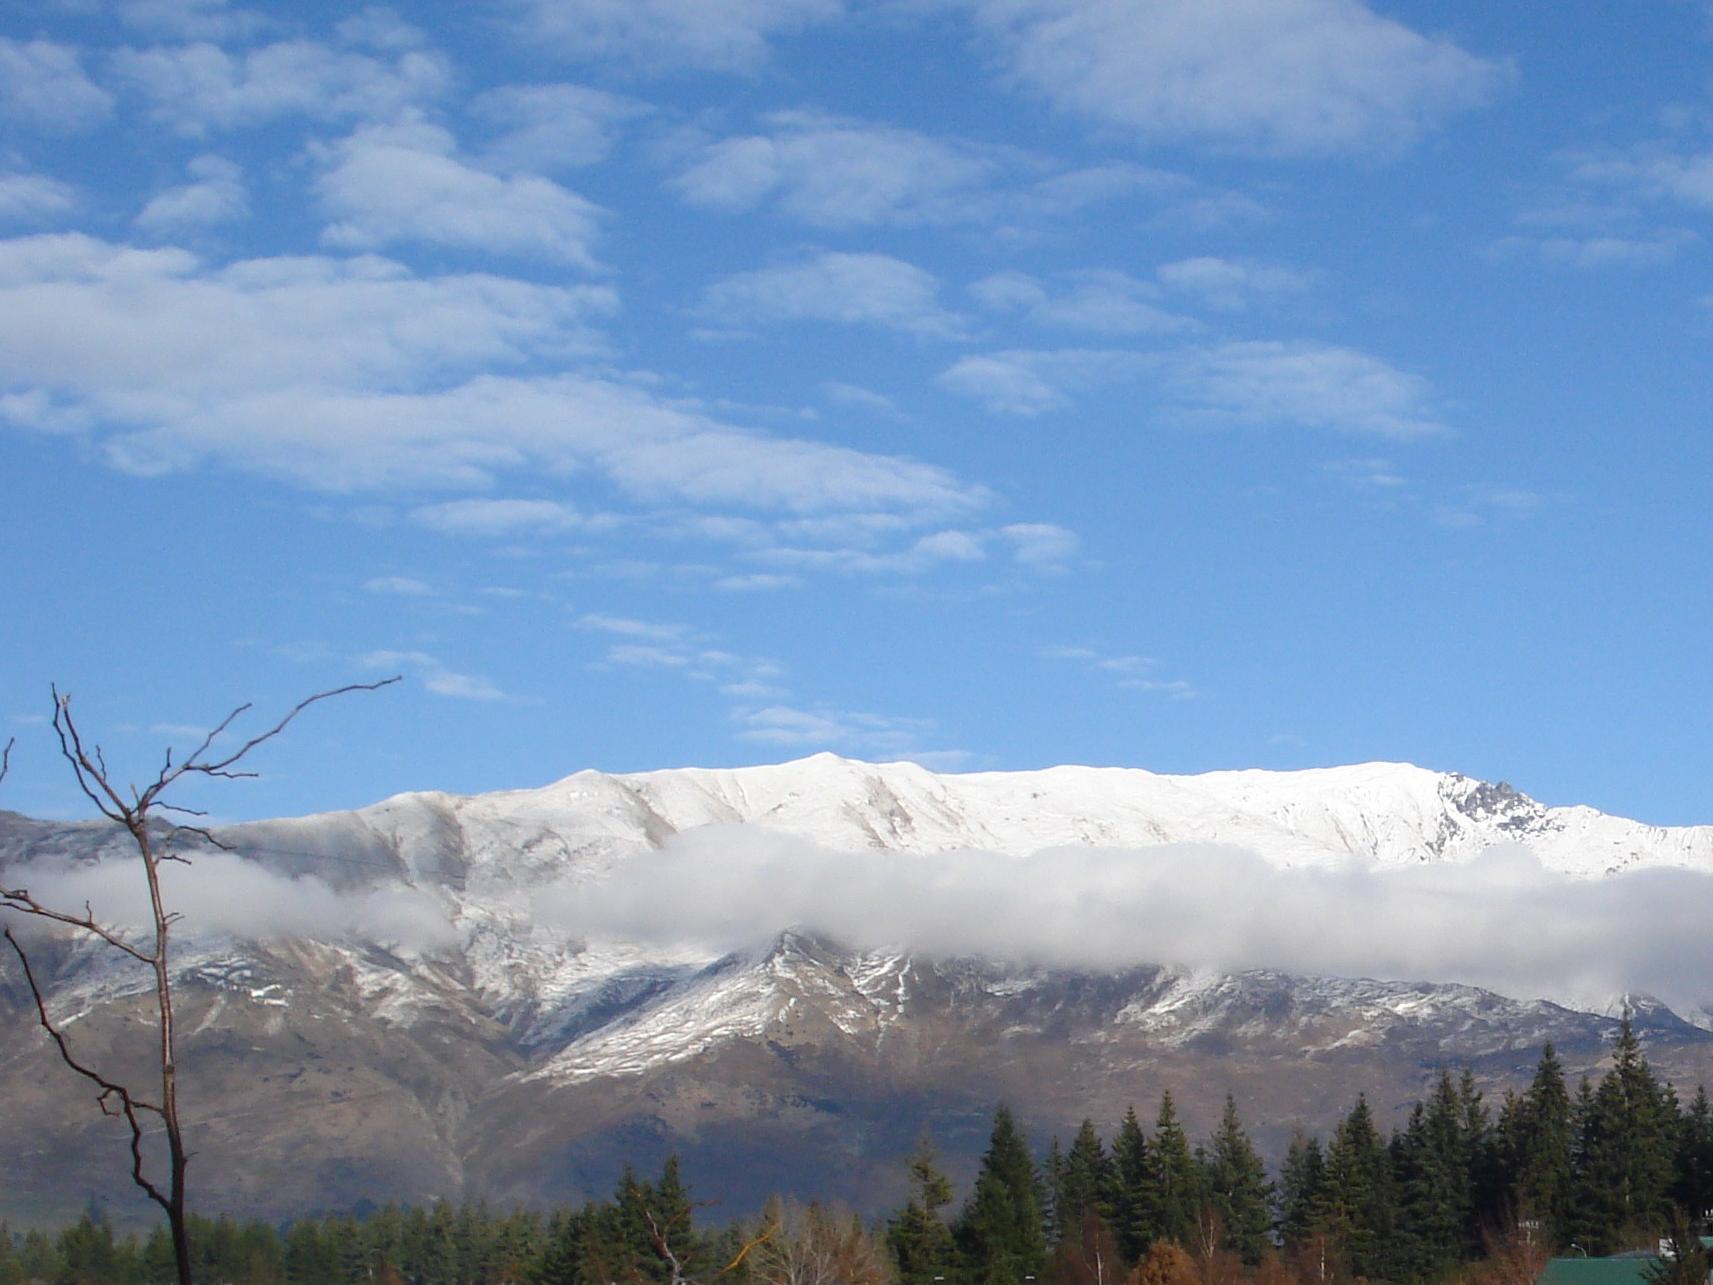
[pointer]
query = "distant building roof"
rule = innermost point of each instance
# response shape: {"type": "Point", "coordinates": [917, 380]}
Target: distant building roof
{"type": "Point", "coordinates": [1621, 1269]}
{"type": "Point", "coordinates": [1598, 1271]}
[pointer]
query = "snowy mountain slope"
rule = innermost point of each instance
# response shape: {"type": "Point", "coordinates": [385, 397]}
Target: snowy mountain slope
{"type": "Point", "coordinates": [1388, 813]}
{"type": "Point", "coordinates": [510, 1059]}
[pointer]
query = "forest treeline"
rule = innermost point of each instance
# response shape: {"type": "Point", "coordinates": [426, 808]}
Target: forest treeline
{"type": "Point", "coordinates": [1458, 1191]}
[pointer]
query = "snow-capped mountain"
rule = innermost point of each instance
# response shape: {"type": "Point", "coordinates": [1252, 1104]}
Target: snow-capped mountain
{"type": "Point", "coordinates": [503, 1054]}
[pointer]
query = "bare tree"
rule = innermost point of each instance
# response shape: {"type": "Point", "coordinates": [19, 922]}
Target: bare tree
{"type": "Point", "coordinates": [136, 811]}
{"type": "Point", "coordinates": [811, 1245]}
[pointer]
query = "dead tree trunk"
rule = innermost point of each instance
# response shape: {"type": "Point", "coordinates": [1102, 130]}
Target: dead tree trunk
{"type": "Point", "coordinates": [134, 810]}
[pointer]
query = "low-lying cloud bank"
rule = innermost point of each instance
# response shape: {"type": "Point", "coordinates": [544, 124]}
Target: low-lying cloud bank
{"type": "Point", "coordinates": [1502, 921]}
{"type": "Point", "coordinates": [228, 894]}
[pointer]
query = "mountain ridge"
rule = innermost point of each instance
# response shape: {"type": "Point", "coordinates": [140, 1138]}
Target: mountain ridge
{"type": "Point", "coordinates": [513, 1059]}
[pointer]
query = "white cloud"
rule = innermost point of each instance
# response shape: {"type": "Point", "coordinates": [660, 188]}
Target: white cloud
{"type": "Point", "coordinates": [1041, 545]}
{"type": "Point", "coordinates": [653, 35]}
{"type": "Point", "coordinates": [1645, 250]}
{"type": "Point", "coordinates": [379, 27]}
{"type": "Point", "coordinates": [43, 83]}
{"type": "Point", "coordinates": [1476, 506]}
{"type": "Point", "coordinates": [551, 127]}
{"type": "Point", "coordinates": [826, 728]}
{"type": "Point", "coordinates": [1500, 921]}
{"type": "Point", "coordinates": [190, 19]}
{"type": "Point", "coordinates": [151, 334]}
{"type": "Point", "coordinates": [403, 586]}
{"type": "Point", "coordinates": [225, 893]}
{"type": "Point", "coordinates": [33, 198]}
{"type": "Point", "coordinates": [216, 196]}
{"type": "Point", "coordinates": [864, 399]}
{"type": "Point", "coordinates": [201, 87]}
{"type": "Point", "coordinates": [1653, 171]}
{"type": "Point", "coordinates": [1026, 382]}
{"type": "Point", "coordinates": [627, 627]}
{"type": "Point", "coordinates": [926, 554]}
{"type": "Point", "coordinates": [435, 676]}
{"type": "Point", "coordinates": [1369, 473]}
{"type": "Point", "coordinates": [755, 582]}
{"type": "Point", "coordinates": [1103, 301]}
{"type": "Point", "coordinates": [170, 364]}
{"type": "Point", "coordinates": [832, 172]}
{"type": "Point", "coordinates": [496, 517]}
{"type": "Point", "coordinates": [1283, 76]}
{"type": "Point", "coordinates": [1303, 384]}
{"type": "Point", "coordinates": [1230, 285]}
{"type": "Point", "coordinates": [1127, 671]}
{"type": "Point", "coordinates": [855, 289]}
{"type": "Point", "coordinates": [405, 182]}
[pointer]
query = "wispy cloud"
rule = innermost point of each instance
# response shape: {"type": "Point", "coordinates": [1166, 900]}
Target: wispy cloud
{"type": "Point", "coordinates": [1231, 285]}
{"type": "Point", "coordinates": [402, 586]}
{"type": "Point", "coordinates": [1126, 670]}
{"type": "Point", "coordinates": [852, 289]}
{"type": "Point", "coordinates": [1477, 506]}
{"type": "Point", "coordinates": [202, 88]}
{"type": "Point", "coordinates": [406, 182]}
{"type": "Point", "coordinates": [833, 172]}
{"type": "Point", "coordinates": [1642, 250]}
{"type": "Point", "coordinates": [820, 727]}
{"type": "Point", "coordinates": [214, 195]}
{"type": "Point", "coordinates": [435, 675]}
{"type": "Point", "coordinates": [547, 128]}
{"type": "Point", "coordinates": [1284, 76]}
{"type": "Point", "coordinates": [33, 198]}
{"type": "Point", "coordinates": [1104, 302]}
{"type": "Point", "coordinates": [43, 83]}
{"type": "Point", "coordinates": [497, 517]}
{"type": "Point", "coordinates": [1300, 385]}
{"type": "Point", "coordinates": [656, 35]}
{"type": "Point", "coordinates": [1031, 381]}
{"type": "Point", "coordinates": [170, 364]}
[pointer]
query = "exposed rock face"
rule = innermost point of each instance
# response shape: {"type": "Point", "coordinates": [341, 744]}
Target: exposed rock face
{"type": "Point", "coordinates": [516, 1064]}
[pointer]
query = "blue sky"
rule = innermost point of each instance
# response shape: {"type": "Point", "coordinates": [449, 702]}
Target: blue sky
{"type": "Point", "coordinates": [993, 383]}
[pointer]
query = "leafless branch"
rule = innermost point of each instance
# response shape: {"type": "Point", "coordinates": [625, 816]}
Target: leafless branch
{"type": "Point", "coordinates": [6, 758]}
{"type": "Point", "coordinates": [111, 1092]}
{"type": "Point", "coordinates": [133, 810]}
{"type": "Point", "coordinates": [221, 767]}
{"type": "Point", "coordinates": [663, 1247]}
{"type": "Point", "coordinates": [19, 899]}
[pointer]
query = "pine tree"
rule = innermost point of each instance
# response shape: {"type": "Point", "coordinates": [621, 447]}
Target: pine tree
{"type": "Point", "coordinates": [1483, 1205]}
{"type": "Point", "coordinates": [1431, 1175]}
{"type": "Point", "coordinates": [1132, 1196]}
{"type": "Point", "coordinates": [1303, 1196]}
{"type": "Point", "coordinates": [1087, 1183]}
{"type": "Point", "coordinates": [1236, 1182]}
{"type": "Point", "coordinates": [1692, 1187]}
{"type": "Point", "coordinates": [1359, 1190]}
{"type": "Point", "coordinates": [918, 1237]}
{"type": "Point", "coordinates": [1629, 1128]}
{"type": "Point", "coordinates": [1053, 1192]}
{"type": "Point", "coordinates": [999, 1233]}
{"type": "Point", "coordinates": [1537, 1144]}
{"type": "Point", "coordinates": [1174, 1180]}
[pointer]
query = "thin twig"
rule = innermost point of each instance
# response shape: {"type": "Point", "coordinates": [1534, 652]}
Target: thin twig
{"type": "Point", "coordinates": [110, 1091]}
{"type": "Point", "coordinates": [19, 899]}
{"type": "Point", "coordinates": [218, 767]}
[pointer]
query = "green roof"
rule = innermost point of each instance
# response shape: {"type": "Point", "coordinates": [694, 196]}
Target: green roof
{"type": "Point", "coordinates": [1598, 1271]}
{"type": "Point", "coordinates": [1628, 1269]}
